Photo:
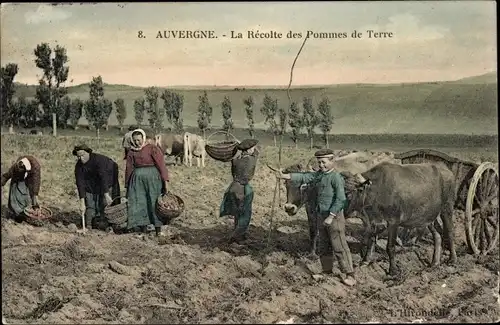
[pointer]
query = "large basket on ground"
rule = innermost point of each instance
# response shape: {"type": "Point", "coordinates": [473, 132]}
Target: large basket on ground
{"type": "Point", "coordinates": [222, 150]}
{"type": "Point", "coordinates": [169, 206]}
{"type": "Point", "coordinates": [38, 217]}
{"type": "Point", "coordinates": [117, 214]}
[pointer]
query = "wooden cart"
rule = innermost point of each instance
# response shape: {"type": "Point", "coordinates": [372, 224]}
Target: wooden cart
{"type": "Point", "coordinates": [477, 195]}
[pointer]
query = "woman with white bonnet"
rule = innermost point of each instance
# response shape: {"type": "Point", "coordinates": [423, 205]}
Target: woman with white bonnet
{"type": "Point", "coordinates": [25, 180]}
{"type": "Point", "coordinates": [146, 178]}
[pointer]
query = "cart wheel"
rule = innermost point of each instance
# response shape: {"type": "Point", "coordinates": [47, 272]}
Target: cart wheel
{"type": "Point", "coordinates": [481, 212]}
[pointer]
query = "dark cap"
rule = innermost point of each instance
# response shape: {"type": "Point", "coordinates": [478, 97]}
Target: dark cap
{"type": "Point", "coordinates": [247, 144]}
{"type": "Point", "coordinates": [81, 147]}
{"type": "Point", "coordinates": [324, 153]}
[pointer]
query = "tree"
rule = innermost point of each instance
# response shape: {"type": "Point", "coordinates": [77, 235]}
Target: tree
{"type": "Point", "coordinates": [121, 112]}
{"type": "Point", "coordinates": [295, 122]}
{"type": "Point", "coordinates": [282, 119]}
{"type": "Point", "coordinates": [107, 107]}
{"type": "Point", "coordinates": [75, 112]}
{"type": "Point", "coordinates": [204, 113]}
{"type": "Point", "coordinates": [325, 118]}
{"type": "Point", "coordinates": [178, 109]}
{"type": "Point", "coordinates": [156, 114]}
{"type": "Point", "coordinates": [173, 103]}
{"type": "Point", "coordinates": [30, 113]}
{"type": "Point", "coordinates": [51, 89]}
{"type": "Point", "coordinates": [139, 109]}
{"type": "Point", "coordinates": [269, 110]}
{"type": "Point", "coordinates": [64, 111]}
{"type": "Point", "coordinates": [227, 112]}
{"type": "Point", "coordinates": [8, 73]}
{"type": "Point", "coordinates": [249, 114]}
{"type": "Point", "coordinates": [97, 108]}
{"type": "Point", "coordinates": [168, 105]}
{"type": "Point", "coordinates": [309, 118]}
{"type": "Point", "coordinates": [18, 110]}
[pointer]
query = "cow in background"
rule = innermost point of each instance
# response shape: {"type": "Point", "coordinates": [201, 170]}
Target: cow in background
{"type": "Point", "coordinates": [194, 145]}
{"type": "Point", "coordinates": [127, 141]}
{"type": "Point", "coordinates": [171, 145]}
{"type": "Point", "coordinates": [36, 132]}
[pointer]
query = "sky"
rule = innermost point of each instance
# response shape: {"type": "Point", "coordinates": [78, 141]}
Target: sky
{"type": "Point", "coordinates": [431, 41]}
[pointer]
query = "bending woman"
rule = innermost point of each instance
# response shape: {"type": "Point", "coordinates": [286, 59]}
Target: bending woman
{"type": "Point", "coordinates": [25, 176]}
{"type": "Point", "coordinates": [146, 178]}
{"type": "Point", "coordinates": [96, 177]}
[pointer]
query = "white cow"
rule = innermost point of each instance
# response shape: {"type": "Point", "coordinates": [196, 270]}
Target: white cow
{"type": "Point", "coordinates": [194, 145]}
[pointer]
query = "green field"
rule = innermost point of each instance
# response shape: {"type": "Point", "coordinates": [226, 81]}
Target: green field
{"type": "Point", "coordinates": [478, 148]}
{"type": "Point", "coordinates": [466, 106]}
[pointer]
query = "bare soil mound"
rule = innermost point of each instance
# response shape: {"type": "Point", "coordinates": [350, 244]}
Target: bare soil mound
{"type": "Point", "coordinates": [51, 274]}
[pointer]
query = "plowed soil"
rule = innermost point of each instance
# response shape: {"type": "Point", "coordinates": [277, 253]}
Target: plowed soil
{"type": "Point", "coordinates": [54, 275]}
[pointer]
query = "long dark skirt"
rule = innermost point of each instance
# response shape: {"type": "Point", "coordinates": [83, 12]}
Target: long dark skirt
{"type": "Point", "coordinates": [143, 191]}
{"type": "Point", "coordinates": [19, 198]}
{"type": "Point", "coordinates": [238, 205]}
{"type": "Point", "coordinates": [95, 203]}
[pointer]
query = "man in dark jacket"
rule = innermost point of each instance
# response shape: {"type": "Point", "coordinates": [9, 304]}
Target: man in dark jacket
{"type": "Point", "coordinates": [97, 182]}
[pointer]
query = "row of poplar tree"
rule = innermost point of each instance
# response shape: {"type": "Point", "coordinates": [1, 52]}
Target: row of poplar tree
{"type": "Point", "coordinates": [52, 98]}
{"type": "Point", "coordinates": [277, 118]}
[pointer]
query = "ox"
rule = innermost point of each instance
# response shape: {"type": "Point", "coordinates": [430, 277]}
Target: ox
{"type": "Point", "coordinates": [408, 196]}
{"type": "Point", "coordinates": [171, 145]}
{"type": "Point", "coordinates": [297, 196]}
{"type": "Point", "coordinates": [194, 145]}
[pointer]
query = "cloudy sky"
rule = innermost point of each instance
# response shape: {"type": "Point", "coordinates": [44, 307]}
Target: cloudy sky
{"type": "Point", "coordinates": [431, 41]}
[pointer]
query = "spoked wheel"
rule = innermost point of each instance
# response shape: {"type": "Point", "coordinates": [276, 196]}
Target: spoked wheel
{"type": "Point", "coordinates": [481, 211]}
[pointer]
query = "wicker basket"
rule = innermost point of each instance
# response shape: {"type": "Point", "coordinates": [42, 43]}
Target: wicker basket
{"type": "Point", "coordinates": [38, 217]}
{"type": "Point", "coordinates": [223, 150]}
{"type": "Point", "coordinates": [117, 214]}
{"type": "Point", "coordinates": [169, 206]}
{"type": "Point", "coordinates": [119, 227]}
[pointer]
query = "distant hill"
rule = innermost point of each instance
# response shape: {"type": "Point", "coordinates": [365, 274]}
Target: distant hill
{"type": "Point", "coordinates": [464, 106]}
{"type": "Point", "coordinates": [490, 77]}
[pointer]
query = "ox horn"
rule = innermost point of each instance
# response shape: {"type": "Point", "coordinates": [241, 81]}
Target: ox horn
{"type": "Point", "coordinates": [274, 169]}
{"type": "Point", "coordinates": [360, 178]}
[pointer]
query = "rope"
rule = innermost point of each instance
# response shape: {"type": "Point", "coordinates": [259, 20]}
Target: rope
{"type": "Point", "coordinates": [277, 186]}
